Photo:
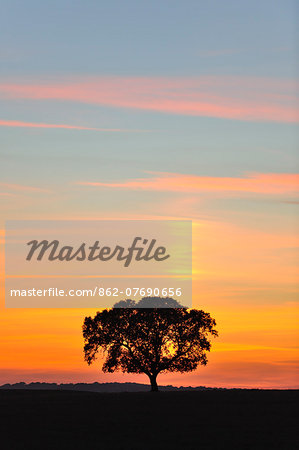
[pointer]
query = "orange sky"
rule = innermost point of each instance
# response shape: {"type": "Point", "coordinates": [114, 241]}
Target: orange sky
{"type": "Point", "coordinates": [233, 279]}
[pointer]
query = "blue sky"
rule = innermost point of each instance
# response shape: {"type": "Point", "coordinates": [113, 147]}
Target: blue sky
{"type": "Point", "coordinates": [142, 38]}
{"type": "Point", "coordinates": [42, 43]}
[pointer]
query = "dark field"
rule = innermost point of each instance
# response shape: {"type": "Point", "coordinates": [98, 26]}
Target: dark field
{"type": "Point", "coordinates": [232, 419]}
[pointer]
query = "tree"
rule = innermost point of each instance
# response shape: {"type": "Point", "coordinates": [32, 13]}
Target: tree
{"type": "Point", "coordinates": [149, 341]}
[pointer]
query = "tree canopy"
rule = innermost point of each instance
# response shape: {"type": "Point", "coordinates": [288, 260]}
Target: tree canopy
{"type": "Point", "coordinates": [149, 340]}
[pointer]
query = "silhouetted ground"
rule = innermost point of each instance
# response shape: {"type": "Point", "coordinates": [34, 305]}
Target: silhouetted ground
{"type": "Point", "coordinates": [231, 419]}
{"type": "Point", "coordinates": [97, 387]}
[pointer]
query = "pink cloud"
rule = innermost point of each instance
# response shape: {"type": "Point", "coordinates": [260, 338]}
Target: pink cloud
{"type": "Point", "coordinates": [258, 99]}
{"type": "Point", "coordinates": [260, 183]}
{"type": "Point", "coordinates": [17, 123]}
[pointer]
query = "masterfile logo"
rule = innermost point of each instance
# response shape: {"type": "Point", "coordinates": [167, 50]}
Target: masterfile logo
{"type": "Point", "coordinates": [95, 252]}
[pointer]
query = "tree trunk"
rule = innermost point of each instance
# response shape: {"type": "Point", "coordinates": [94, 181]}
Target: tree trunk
{"type": "Point", "coordinates": [154, 386]}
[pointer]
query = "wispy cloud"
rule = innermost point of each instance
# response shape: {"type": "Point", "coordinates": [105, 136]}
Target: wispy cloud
{"type": "Point", "coordinates": [18, 123]}
{"type": "Point", "coordinates": [240, 98]}
{"type": "Point", "coordinates": [259, 183]}
{"type": "Point", "coordinates": [291, 202]}
{"type": "Point", "coordinates": [21, 188]}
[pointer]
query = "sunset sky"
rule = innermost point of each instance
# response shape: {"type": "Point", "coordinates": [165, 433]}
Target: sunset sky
{"type": "Point", "coordinates": [159, 110]}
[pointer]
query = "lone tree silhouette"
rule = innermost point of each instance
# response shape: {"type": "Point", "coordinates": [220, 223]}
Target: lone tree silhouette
{"type": "Point", "coordinates": [147, 338]}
